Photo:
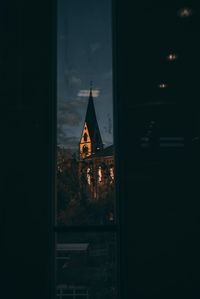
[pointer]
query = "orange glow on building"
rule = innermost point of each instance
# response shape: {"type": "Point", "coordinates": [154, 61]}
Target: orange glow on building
{"type": "Point", "coordinates": [85, 143]}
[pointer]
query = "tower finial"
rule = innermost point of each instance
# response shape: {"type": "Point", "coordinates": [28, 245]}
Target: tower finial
{"type": "Point", "coordinates": [91, 88]}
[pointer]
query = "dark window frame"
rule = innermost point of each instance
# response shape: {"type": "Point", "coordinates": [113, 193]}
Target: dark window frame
{"type": "Point", "coordinates": [112, 228]}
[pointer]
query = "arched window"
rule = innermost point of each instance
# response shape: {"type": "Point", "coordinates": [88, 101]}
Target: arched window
{"type": "Point", "coordinates": [88, 176]}
{"type": "Point", "coordinates": [85, 149]}
{"type": "Point", "coordinates": [85, 136]}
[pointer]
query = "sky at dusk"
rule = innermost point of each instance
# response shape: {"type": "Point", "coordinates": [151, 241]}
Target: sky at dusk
{"type": "Point", "coordinates": [84, 54]}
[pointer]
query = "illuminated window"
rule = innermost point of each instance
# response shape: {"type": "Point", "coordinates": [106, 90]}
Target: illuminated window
{"type": "Point", "coordinates": [85, 149]}
{"type": "Point", "coordinates": [99, 174]}
{"type": "Point", "coordinates": [85, 137]}
{"type": "Point", "coordinates": [88, 176]}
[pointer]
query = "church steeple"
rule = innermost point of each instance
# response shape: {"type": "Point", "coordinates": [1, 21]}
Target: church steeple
{"type": "Point", "coordinates": [90, 90]}
{"type": "Point", "coordinates": [91, 141]}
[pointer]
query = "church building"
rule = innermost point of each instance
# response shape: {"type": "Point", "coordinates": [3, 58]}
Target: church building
{"type": "Point", "coordinates": [96, 163]}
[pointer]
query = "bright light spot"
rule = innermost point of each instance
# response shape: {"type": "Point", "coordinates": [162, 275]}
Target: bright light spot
{"type": "Point", "coordinates": [185, 12]}
{"type": "Point", "coordinates": [162, 85]}
{"type": "Point", "coordinates": [172, 57]}
{"type": "Point", "coordinates": [86, 93]}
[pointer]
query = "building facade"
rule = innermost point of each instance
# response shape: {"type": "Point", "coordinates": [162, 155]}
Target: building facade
{"type": "Point", "coordinates": [96, 163]}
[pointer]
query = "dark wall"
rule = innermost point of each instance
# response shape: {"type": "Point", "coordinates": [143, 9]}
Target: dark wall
{"type": "Point", "coordinates": [27, 152]}
{"type": "Point", "coordinates": [158, 193]}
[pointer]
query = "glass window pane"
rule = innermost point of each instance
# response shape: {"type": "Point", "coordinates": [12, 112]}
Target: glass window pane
{"type": "Point", "coordinates": [158, 135]}
{"type": "Point", "coordinates": [85, 149]}
{"type": "Point", "coordinates": [91, 268]}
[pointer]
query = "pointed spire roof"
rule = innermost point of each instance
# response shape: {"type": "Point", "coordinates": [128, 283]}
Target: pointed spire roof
{"type": "Point", "coordinates": [92, 123]}
{"type": "Point", "coordinates": [90, 90]}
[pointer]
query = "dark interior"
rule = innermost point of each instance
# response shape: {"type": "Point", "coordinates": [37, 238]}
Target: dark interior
{"type": "Point", "coordinates": [158, 194]}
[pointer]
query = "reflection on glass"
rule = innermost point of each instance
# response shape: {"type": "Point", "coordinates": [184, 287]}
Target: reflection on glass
{"type": "Point", "coordinates": [185, 12]}
{"type": "Point", "coordinates": [86, 266]}
{"type": "Point", "coordinates": [172, 57]}
{"type": "Point", "coordinates": [85, 150]}
{"type": "Point", "coordinates": [162, 85]}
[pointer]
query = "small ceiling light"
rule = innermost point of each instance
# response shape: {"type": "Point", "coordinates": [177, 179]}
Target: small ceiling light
{"type": "Point", "coordinates": [162, 85]}
{"type": "Point", "coordinates": [185, 12]}
{"type": "Point", "coordinates": [172, 57]}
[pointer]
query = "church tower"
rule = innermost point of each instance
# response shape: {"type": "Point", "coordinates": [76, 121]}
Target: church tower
{"type": "Point", "coordinates": [90, 141]}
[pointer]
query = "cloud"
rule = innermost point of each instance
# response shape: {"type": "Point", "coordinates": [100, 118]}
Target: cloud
{"type": "Point", "coordinates": [107, 128]}
{"type": "Point", "coordinates": [70, 118]}
{"type": "Point", "coordinates": [75, 81]}
{"type": "Point", "coordinates": [86, 92]}
{"type": "Point", "coordinates": [62, 37]}
{"type": "Point", "coordinates": [89, 49]}
{"type": "Point", "coordinates": [72, 79]}
{"type": "Point", "coordinates": [70, 113]}
{"type": "Point", "coordinates": [76, 103]}
{"type": "Point", "coordinates": [109, 124]}
{"type": "Point", "coordinates": [94, 47]}
{"type": "Point", "coordinates": [107, 75]}
{"type": "Point", "coordinates": [68, 142]}
{"type": "Point", "coordinates": [66, 139]}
